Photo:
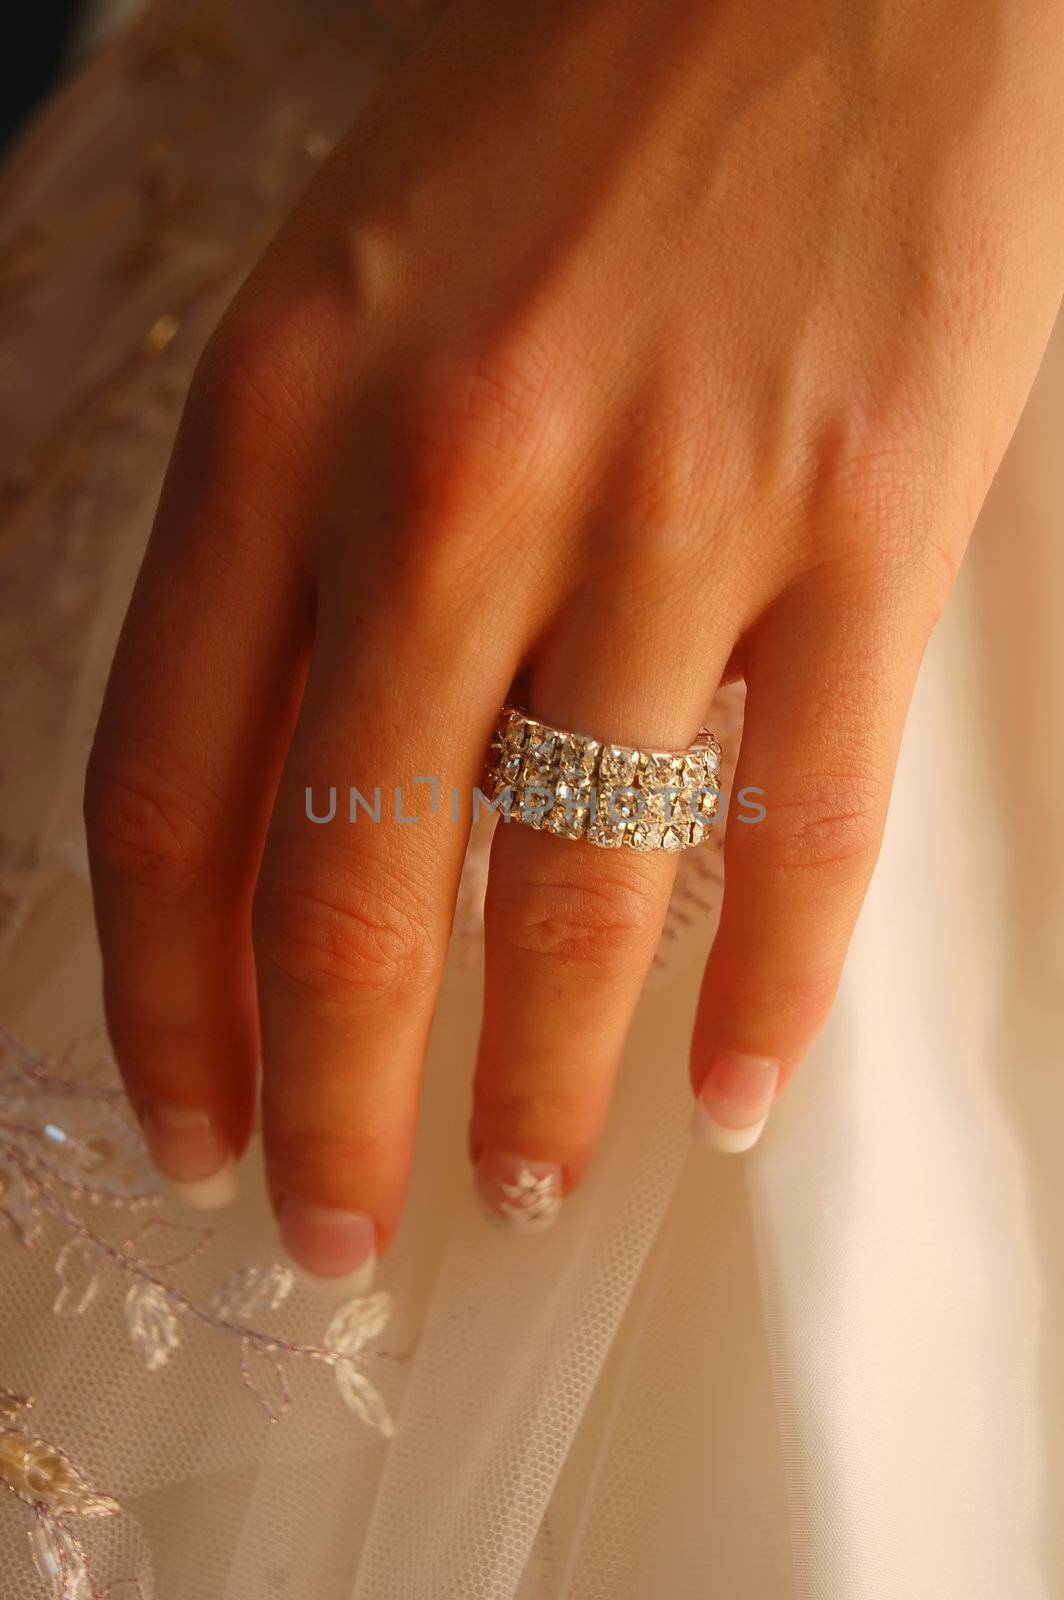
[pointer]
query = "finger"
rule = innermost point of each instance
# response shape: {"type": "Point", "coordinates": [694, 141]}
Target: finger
{"type": "Point", "coordinates": [570, 927]}
{"type": "Point", "coordinates": [829, 679]}
{"type": "Point", "coordinates": [197, 713]}
{"type": "Point", "coordinates": [352, 918]}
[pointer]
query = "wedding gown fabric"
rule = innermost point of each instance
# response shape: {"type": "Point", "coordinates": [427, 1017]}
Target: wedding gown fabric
{"type": "Point", "coordinates": [829, 1370]}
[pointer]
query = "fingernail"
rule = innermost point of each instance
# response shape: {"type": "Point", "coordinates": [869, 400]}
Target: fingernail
{"type": "Point", "coordinates": [336, 1248]}
{"type": "Point", "coordinates": [734, 1102]}
{"type": "Point", "coordinates": [193, 1156]}
{"type": "Point", "coordinates": [523, 1195]}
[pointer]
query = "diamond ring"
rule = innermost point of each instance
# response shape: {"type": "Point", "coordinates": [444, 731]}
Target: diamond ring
{"type": "Point", "coordinates": [576, 787]}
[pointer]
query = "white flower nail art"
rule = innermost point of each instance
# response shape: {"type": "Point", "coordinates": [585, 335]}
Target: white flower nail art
{"type": "Point", "coordinates": [530, 1201]}
{"type": "Point", "coordinates": [525, 1195]}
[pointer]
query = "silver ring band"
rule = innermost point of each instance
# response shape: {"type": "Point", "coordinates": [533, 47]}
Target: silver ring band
{"type": "Point", "coordinates": [577, 787]}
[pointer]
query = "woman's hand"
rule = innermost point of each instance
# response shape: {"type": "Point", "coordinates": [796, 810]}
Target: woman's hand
{"type": "Point", "coordinates": [621, 346]}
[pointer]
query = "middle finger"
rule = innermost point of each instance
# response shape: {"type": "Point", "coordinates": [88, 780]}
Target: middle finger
{"type": "Point", "coordinates": [352, 921]}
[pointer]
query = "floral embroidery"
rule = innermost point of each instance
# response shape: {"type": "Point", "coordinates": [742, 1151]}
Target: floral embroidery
{"type": "Point", "coordinates": [252, 1289]}
{"type": "Point", "coordinates": [64, 1134]}
{"type": "Point", "coordinates": [59, 1495]}
{"type": "Point", "coordinates": [65, 1142]}
{"type": "Point", "coordinates": [353, 1327]}
{"type": "Point", "coordinates": [71, 1155]}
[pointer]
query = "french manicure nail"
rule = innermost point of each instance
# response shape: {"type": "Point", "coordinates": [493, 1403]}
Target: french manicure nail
{"type": "Point", "coordinates": [333, 1247]}
{"type": "Point", "coordinates": [523, 1195]}
{"type": "Point", "coordinates": [734, 1101]}
{"type": "Point", "coordinates": [191, 1153]}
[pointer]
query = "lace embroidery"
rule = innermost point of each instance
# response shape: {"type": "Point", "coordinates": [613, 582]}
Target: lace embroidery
{"type": "Point", "coordinates": [59, 1495]}
{"type": "Point", "coordinates": [63, 1142]}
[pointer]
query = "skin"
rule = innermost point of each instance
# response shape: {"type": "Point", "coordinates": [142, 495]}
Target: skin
{"type": "Point", "coordinates": [691, 332]}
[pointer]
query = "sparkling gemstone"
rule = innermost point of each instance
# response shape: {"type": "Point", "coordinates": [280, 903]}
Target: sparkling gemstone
{"type": "Point", "coordinates": [673, 839]}
{"type": "Point", "coordinates": [540, 751]}
{"type": "Point", "coordinates": [602, 831]}
{"type": "Point", "coordinates": [707, 802]}
{"type": "Point", "coordinates": [618, 765]}
{"type": "Point", "coordinates": [654, 806]}
{"type": "Point", "coordinates": [535, 805]}
{"type": "Point", "coordinates": [624, 803]}
{"type": "Point", "coordinates": [645, 836]}
{"type": "Point", "coordinates": [577, 757]}
{"type": "Point", "coordinates": [663, 770]}
{"type": "Point", "coordinates": [680, 806]}
{"type": "Point", "coordinates": [511, 730]}
{"type": "Point", "coordinates": [568, 824]}
{"type": "Point", "coordinates": [570, 812]}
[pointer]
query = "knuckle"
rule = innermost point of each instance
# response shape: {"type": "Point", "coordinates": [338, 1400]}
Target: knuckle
{"type": "Point", "coordinates": [550, 1112]}
{"type": "Point", "coordinates": [149, 1027]}
{"type": "Point", "coordinates": [831, 827]}
{"type": "Point", "coordinates": [798, 997]}
{"type": "Point", "coordinates": [596, 924]}
{"type": "Point", "coordinates": [311, 1154]}
{"type": "Point", "coordinates": [669, 463]}
{"type": "Point", "coordinates": [253, 387]}
{"type": "Point", "coordinates": [345, 931]}
{"type": "Point", "coordinates": [138, 825]}
{"type": "Point", "coordinates": [476, 415]}
{"type": "Point", "coordinates": [867, 439]}
{"type": "Point", "coordinates": [886, 504]}
{"type": "Point", "coordinates": [237, 384]}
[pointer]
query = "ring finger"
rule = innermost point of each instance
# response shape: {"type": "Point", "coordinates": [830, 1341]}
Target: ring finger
{"type": "Point", "coordinates": [571, 927]}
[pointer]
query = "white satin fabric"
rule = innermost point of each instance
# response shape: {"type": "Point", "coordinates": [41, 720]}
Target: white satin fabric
{"type": "Point", "coordinates": [829, 1370]}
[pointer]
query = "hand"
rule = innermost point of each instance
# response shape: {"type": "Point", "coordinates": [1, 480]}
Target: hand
{"type": "Point", "coordinates": [621, 347]}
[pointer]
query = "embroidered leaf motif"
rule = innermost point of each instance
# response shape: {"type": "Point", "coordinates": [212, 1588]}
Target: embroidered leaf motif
{"type": "Point", "coordinates": [251, 1290]}
{"type": "Point", "coordinates": [265, 1377]}
{"type": "Point", "coordinates": [59, 1561]}
{"type": "Point", "coordinates": [65, 1142]}
{"type": "Point", "coordinates": [152, 1324]}
{"type": "Point", "coordinates": [87, 1060]}
{"type": "Point", "coordinates": [161, 1246]}
{"type": "Point", "coordinates": [357, 1323]}
{"type": "Point", "coordinates": [44, 1476]}
{"type": "Point", "coordinates": [13, 1407]}
{"type": "Point", "coordinates": [75, 1267]}
{"type": "Point", "coordinates": [354, 1326]}
{"type": "Point", "coordinates": [18, 1207]}
{"type": "Point", "coordinates": [362, 1398]}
